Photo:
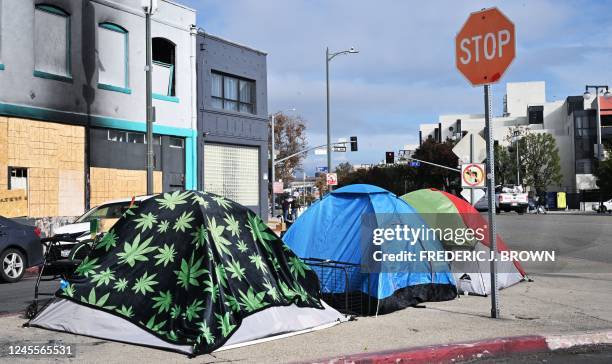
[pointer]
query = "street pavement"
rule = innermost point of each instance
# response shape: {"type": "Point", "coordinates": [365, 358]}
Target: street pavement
{"type": "Point", "coordinates": [574, 298]}
{"type": "Point", "coordinates": [15, 297]}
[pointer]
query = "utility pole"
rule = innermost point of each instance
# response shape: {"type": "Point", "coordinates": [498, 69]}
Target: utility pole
{"type": "Point", "coordinates": [329, 147]}
{"type": "Point", "coordinates": [149, 6]}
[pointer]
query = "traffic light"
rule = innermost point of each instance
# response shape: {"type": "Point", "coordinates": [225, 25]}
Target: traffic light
{"type": "Point", "coordinates": [353, 144]}
{"type": "Point", "coordinates": [390, 157]}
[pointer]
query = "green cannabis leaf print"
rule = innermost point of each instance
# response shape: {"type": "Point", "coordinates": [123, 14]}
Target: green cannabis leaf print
{"type": "Point", "coordinates": [188, 267]}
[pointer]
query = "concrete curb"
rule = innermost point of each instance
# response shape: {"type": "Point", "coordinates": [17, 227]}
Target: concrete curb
{"type": "Point", "coordinates": [448, 353]}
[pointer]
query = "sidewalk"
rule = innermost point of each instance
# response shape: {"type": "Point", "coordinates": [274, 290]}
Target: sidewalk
{"type": "Point", "coordinates": [552, 304]}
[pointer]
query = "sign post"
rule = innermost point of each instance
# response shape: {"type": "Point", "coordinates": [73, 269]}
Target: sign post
{"type": "Point", "coordinates": [484, 48]}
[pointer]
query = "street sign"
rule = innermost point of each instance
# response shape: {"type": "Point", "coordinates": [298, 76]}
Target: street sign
{"type": "Point", "coordinates": [473, 175]}
{"type": "Point", "coordinates": [321, 169]}
{"type": "Point", "coordinates": [320, 151]}
{"type": "Point", "coordinates": [332, 179]}
{"type": "Point", "coordinates": [476, 193]}
{"type": "Point", "coordinates": [479, 146]}
{"type": "Point", "coordinates": [485, 46]}
{"type": "Point", "coordinates": [339, 148]}
{"type": "Point", "coordinates": [415, 164]}
{"type": "Point", "coordinates": [278, 187]}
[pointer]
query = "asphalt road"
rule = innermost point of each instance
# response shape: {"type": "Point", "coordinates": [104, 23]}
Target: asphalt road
{"type": "Point", "coordinates": [582, 243]}
{"type": "Point", "coordinates": [15, 297]}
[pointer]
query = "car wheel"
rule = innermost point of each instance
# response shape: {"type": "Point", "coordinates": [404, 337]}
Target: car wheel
{"type": "Point", "coordinates": [12, 265]}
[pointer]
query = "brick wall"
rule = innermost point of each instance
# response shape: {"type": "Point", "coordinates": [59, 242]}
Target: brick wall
{"type": "Point", "coordinates": [110, 184]}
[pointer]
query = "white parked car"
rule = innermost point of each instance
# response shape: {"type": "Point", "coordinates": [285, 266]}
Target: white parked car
{"type": "Point", "coordinates": [107, 214]}
{"type": "Point", "coordinates": [606, 206]}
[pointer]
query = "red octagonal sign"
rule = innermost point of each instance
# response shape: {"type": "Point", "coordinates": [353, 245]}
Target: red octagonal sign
{"type": "Point", "coordinates": [485, 46]}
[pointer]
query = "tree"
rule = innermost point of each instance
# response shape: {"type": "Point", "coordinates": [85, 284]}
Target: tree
{"type": "Point", "coordinates": [603, 173]}
{"type": "Point", "coordinates": [505, 165]}
{"type": "Point", "coordinates": [343, 170]}
{"type": "Point", "coordinates": [439, 153]}
{"type": "Point", "coordinates": [397, 178]}
{"type": "Point", "coordinates": [540, 161]}
{"type": "Point", "coordinates": [289, 138]}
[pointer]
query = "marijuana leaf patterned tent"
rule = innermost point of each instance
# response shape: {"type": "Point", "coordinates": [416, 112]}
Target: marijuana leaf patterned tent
{"type": "Point", "coordinates": [191, 272]}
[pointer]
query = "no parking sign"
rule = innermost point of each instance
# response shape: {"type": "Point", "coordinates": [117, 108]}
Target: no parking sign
{"type": "Point", "coordinates": [473, 175]}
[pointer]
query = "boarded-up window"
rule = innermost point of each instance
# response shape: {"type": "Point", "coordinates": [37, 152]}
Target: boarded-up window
{"type": "Point", "coordinates": [51, 40]}
{"type": "Point", "coordinates": [112, 55]}
{"type": "Point", "coordinates": [232, 171]}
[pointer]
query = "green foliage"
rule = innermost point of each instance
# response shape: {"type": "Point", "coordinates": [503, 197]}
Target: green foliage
{"type": "Point", "coordinates": [156, 327]}
{"type": "Point", "coordinates": [540, 160]}
{"type": "Point", "coordinates": [242, 246]}
{"type": "Point", "coordinates": [271, 291]}
{"type": "Point", "coordinates": [505, 165]}
{"type": "Point", "coordinates": [135, 251]}
{"type": "Point", "coordinates": [603, 173]}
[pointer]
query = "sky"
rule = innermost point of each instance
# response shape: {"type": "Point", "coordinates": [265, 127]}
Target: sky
{"type": "Point", "coordinates": [404, 73]}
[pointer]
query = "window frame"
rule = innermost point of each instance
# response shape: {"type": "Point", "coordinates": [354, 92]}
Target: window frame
{"type": "Point", "coordinates": [56, 10]}
{"type": "Point", "coordinates": [168, 96]}
{"type": "Point", "coordinates": [126, 59]}
{"type": "Point", "coordinates": [223, 99]}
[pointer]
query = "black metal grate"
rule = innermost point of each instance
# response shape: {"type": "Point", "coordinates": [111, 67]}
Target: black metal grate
{"type": "Point", "coordinates": [343, 286]}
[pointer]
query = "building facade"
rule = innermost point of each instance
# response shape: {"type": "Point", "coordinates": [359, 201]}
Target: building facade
{"type": "Point", "coordinates": [72, 101]}
{"type": "Point", "coordinates": [233, 125]}
{"type": "Point", "coordinates": [572, 122]}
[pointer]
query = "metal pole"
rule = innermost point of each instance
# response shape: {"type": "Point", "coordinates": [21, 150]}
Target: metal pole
{"type": "Point", "coordinates": [329, 148]}
{"type": "Point", "coordinates": [491, 201]}
{"type": "Point", "coordinates": [518, 166]}
{"type": "Point", "coordinates": [472, 161]}
{"type": "Point", "coordinates": [599, 146]}
{"type": "Point", "coordinates": [273, 172]}
{"type": "Point", "coordinates": [149, 90]}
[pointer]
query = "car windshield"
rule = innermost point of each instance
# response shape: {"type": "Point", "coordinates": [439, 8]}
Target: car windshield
{"type": "Point", "coordinates": [108, 211]}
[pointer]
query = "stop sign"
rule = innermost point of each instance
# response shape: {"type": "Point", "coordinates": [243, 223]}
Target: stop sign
{"type": "Point", "coordinates": [485, 46]}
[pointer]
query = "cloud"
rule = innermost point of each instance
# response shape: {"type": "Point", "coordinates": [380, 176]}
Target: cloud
{"type": "Point", "coordinates": [405, 72]}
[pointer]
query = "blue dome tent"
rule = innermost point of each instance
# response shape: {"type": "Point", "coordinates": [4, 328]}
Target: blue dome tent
{"type": "Point", "coordinates": [334, 232]}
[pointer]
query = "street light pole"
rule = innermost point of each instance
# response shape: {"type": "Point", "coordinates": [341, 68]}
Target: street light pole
{"type": "Point", "coordinates": [518, 165]}
{"type": "Point", "coordinates": [328, 57]}
{"type": "Point", "coordinates": [587, 96]}
{"type": "Point", "coordinates": [328, 121]}
{"type": "Point", "coordinates": [149, 7]}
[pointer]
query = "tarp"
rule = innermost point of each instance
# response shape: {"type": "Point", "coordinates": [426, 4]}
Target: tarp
{"type": "Point", "coordinates": [444, 210]}
{"type": "Point", "coordinates": [186, 271]}
{"type": "Point", "coordinates": [331, 229]}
